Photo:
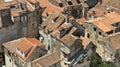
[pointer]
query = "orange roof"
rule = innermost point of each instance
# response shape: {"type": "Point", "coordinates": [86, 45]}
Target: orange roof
{"type": "Point", "coordinates": [4, 4]}
{"type": "Point", "coordinates": [49, 25]}
{"type": "Point", "coordinates": [16, 12]}
{"type": "Point", "coordinates": [29, 54]}
{"type": "Point", "coordinates": [23, 44]}
{"type": "Point", "coordinates": [105, 22]}
{"type": "Point", "coordinates": [34, 41]}
{"type": "Point", "coordinates": [85, 41]}
{"type": "Point", "coordinates": [54, 32]}
{"type": "Point", "coordinates": [49, 7]}
{"type": "Point", "coordinates": [102, 24]}
{"type": "Point", "coordinates": [26, 44]}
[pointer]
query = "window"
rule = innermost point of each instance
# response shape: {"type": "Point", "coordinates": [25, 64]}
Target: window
{"type": "Point", "coordinates": [48, 43]}
{"type": "Point", "coordinates": [12, 7]}
{"type": "Point", "coordinates": [47, 14]}
{"type": "Point", "coordinates": [23, 19]}
{"type": "Point", "coordinates": [41, 38]}
{"type": "Point", "coordinates": [9, 53]}
{"type": "Point", "coordinates": [100, 33]}
{"type": "Point", "coordinates": [9, 60]}
{"type": "Point", "coordinates": [60, 5]}
{"type": "Point", "coordinates": [88, 35]}
{"type": "Point", "coordinates": [33, 25]}
{"type": "Point", "coordinates": [48, 46]}
{"type": "Point", "coordinates": [70, 3]}
{"type": "Point", "coordinates": [98, 41]}
{"type": "Point", "coordinates": [95, 29]}
{"type": "Point", "coordinates": [78, 1]}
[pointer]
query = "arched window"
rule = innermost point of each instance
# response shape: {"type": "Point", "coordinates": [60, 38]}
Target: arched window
{"type": "Point", "coordinates": [88, 35]}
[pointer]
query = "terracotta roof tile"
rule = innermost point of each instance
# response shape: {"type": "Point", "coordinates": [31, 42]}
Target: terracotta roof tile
{"type": "Point", "coordinates": [23, 44]}
{"type": "Point", "coordinates": [47, 60]}
{"type": "Point", "coordinates": [49, 7]}
{"type": "Point", "coordinates": [27, 43]}
{"type": "Point", "coordinates": [105, 22]}
{"type": "Point", "coordinates": [4, 4]}
{"type": "Point", "coordinates": [69, 39]}
{"type": "Point", "coordinates": [51, 26]}
{"type": "Point", "coordinates": [15, 12]}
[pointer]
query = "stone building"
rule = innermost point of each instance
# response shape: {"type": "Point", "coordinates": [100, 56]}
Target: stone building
{"type": "Point", "coordinates": [18, 18]}
{"type": "Point", "coordinates": [100, 28]}
{"type": "Point", "coordinates": [21, 52]}
{"type": "Point", "coordinates": [63, 38]}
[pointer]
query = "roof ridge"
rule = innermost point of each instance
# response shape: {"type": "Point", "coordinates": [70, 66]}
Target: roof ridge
{"type": "Point", "coordinates": [29, 41]}
{"type": "Point", "coordinates": [31, 51]}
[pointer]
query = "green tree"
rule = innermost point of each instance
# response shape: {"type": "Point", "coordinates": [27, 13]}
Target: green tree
{"type": "Point", "coordinates": [96, 61]}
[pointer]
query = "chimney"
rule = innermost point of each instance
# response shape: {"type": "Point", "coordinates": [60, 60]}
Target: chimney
{"type": "Point", "coordinates": [85, 8]}
{"type": "Point", "coordinates": [84, 12]}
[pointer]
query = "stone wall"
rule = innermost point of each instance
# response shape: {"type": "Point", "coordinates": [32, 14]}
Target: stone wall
{"type": "Point", "coordinates": [24, 25]}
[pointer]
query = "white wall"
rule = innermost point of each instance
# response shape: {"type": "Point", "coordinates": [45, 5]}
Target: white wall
{"type": "Point", "coordinates": [7, 61]}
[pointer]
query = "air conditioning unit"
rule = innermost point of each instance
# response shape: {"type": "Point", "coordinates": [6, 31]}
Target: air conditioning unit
{"type": "Point", "coordinates": [8, 0]}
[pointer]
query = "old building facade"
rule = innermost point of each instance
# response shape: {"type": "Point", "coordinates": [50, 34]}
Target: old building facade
{"type": "Point", "coordinates": [18, 19]}
{"type": "Point", "coordinates": [21, 52]}
{"type": "Point", "coordinates": [61, 37]}
{"type": "Point", "coordinates": [100, 28]}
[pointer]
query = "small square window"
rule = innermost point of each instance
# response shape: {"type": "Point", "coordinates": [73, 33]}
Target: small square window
{"type": "Point", "coordinates": [70, 3]}
{"type": "Point", "coordinates": [100, 33]}
{"type": "Point", "coordinates": [10, 60]}
{"type": "Point", "coordinates": [95, 29]}
{"type": "Point", "coordinates": [60, 5]}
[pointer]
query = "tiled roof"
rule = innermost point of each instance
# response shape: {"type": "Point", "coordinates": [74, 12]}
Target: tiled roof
{"type": "Point", "coordinates": [49, 25]}
{"type": "Point", "coordinates": [4, 4]}
{"type": "Point", "coordinates": [49, 7]}
{"type": "Point", "coordinates": [23, 44]}
{"type": "Point", "coordinates": [12, 44]}
{"type": "Point", "coordinates": [105, 22]}
{"type": "Point", "coordinates": [69, 39]}
{"type": "Point", "coordinates": [63, 26]}
{"type": "Point", "coordinates": [15, 12]}
{"type": "Point", "coordinates": [46, 60]}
